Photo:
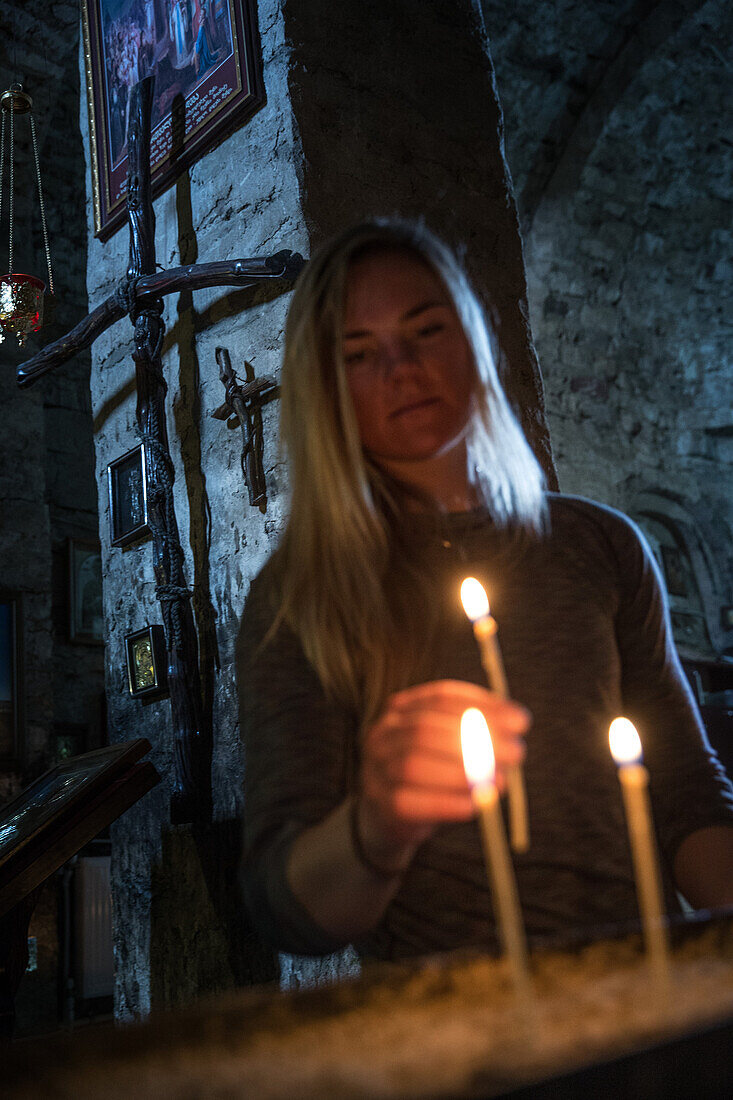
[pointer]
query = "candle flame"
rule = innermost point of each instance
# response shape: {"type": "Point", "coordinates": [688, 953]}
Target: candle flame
{"type": "Point", "coordinates": [474, 599]}
{"type": "Point", "coordinates": [624, 741]}
{"type": "Point", "coordinates": [478, 751]}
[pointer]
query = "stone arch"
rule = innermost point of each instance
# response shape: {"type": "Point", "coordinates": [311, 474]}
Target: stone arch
{"type": "Point", "coordinates": [690, 568]}
{"type": "Point", "coordinates": [649, 24]}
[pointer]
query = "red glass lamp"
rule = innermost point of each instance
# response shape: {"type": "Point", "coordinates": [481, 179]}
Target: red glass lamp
{"type": "Point", "coordinates": [21, 296]}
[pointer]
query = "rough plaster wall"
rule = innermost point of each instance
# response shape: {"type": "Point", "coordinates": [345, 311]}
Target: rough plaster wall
{"type": "Point", "coordinates": [617, 136]}
{"type": "Point", "coordinates": [46, 461]}
{"type": "Point", "coordinates": [179, 927]}
{"type": "Point", "coordinates": [331, 144]}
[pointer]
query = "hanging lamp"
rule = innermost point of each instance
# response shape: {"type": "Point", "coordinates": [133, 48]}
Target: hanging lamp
{"type": "Point", "coordinates": [21, 296]}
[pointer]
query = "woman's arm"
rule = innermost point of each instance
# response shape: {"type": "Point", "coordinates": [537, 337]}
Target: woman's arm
{"type": "Point", "coordinates": [703, 867]}
{"type": "Point", "coordinates": [345, 870]}
{"type": "Point", "coordinates": [691, 795]}
{"type": "Point", "coordinates": [339, 891]}
{"type": "Point", "coordinates": [309, 890]}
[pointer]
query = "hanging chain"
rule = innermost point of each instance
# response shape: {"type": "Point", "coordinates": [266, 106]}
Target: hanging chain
{"type": "Point", "coordinates": [10, 201]}
{"type": "Point", "coordinates": [43, 209]}
{"type": "Point", "coordinates": [2, 164]}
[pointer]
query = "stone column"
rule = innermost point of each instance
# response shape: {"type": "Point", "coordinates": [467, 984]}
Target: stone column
{"type": "Point", "coordinates": [397, 111]}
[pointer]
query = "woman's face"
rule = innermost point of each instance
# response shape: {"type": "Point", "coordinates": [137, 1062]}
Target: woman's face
{"type": "Point", "coordinates": [408, 363]}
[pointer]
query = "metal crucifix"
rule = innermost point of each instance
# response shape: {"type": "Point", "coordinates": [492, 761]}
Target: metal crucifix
{"type": "Point", "coordinates": [140, 296]}
{"type": "Point", "coordinates": [238, 405]}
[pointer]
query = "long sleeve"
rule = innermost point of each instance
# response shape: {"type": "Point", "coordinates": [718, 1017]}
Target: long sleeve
{"type": "Point", "coordinates": [298, 766]}
{"type": "Point", "coordinates": [689, 787]}
{"type": "Point", "coordinates": [585, 635]}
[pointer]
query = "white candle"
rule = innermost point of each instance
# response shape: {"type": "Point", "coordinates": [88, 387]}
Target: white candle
{"type": "Point", "coordinates": [476, 605]}
{"type": "Point", "coordinates": [479, 764]}
{"type": "Point", "coordinates": [634, 778]}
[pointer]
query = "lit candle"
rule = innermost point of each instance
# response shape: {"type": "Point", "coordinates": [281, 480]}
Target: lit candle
{"type": "Point", "coordinates": [476, 605]}
{"type": "Point", "coordinates": [634, 778]}
{"type": "Point", "coordinates": [479, 764]}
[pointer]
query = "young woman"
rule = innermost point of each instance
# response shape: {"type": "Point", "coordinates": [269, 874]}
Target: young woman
{"type": "Point", "coordinates": [356, 661]}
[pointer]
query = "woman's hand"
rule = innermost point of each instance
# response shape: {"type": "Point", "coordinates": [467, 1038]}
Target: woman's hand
{"type": "Point", "coordinates": [412, 777]}
{"type": "Point", "coordinates": [346, 869]}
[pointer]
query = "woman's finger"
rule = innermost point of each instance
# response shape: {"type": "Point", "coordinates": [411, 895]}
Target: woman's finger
{"type": "Point", "coordinates": [437, 733]}
{"type": "Point", "coordinates": [438, 773]}
{"type": "Point", "coordinates": [449, 696]}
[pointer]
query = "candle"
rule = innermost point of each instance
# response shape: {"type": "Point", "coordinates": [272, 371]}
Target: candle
{"type": "Point", "coordinates": [479, 764]}
{"type": "Point", "coordinates": [634, 778]}
{"type": "Point", "coordinates": [476, 605]}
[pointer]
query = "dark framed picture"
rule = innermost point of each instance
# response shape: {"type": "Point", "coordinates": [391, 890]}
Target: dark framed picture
{"type": "Point", "coordinates": [201, 53]}
{"type": "Point", "coordinates": [10, 678]}
{"type": "Point", "coordinates": [85, 592]}
{"type": "Point", "coordinates": [127, 482]}
{"type": "Point", "coordinates": [146, 662]}
{"type": "Point", "coordinates": [675, 572]}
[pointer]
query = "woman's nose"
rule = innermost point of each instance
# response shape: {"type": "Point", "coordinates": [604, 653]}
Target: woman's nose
{"type": "Point", "coordinates": [399, 354]}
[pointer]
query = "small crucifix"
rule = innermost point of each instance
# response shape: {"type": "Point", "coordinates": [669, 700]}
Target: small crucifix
{"type": "Point", "coordinates": [140, 296]}
{"type": "Point", "coordinates": [242, 403]}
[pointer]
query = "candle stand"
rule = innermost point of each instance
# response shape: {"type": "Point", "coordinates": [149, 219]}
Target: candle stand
{"type": "Point", "coordinates": [446, 1026]}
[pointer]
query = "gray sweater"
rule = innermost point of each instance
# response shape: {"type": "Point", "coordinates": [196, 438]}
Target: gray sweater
{"type": "Point", "coordinates": [585, 636]}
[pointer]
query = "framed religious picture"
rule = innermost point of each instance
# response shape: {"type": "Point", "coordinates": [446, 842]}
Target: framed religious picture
{"type": "Point", "coordinates": [202, 56]}
{"type": "Point", "coordinates": [146, 662]}
{"type": "Point", "coordinates": [10, 678]}
{"type": "Point", "coordinates": [127, 483]}
{"type": "Point", "coordinates": [85, 592]}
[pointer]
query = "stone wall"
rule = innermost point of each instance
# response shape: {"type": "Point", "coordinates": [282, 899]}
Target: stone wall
{"type": "Point", "coordinates": [47, 491]}
{"type": "Point", "coordinates": [616, 131]}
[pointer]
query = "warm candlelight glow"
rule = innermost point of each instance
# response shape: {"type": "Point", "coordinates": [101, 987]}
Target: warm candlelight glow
{"type": "Point", "coordinates": [474, 599]}
{"type": "Point", "coordinates": [479, 763]}
{"type": "Point", "coordinates": [478, 751]}
{"type": "Point", "coordinates": [634, 779]}
{"type": "Point", "coordinates": [476, 605]}
{"type": "Point", "coordinates": [624, 741]}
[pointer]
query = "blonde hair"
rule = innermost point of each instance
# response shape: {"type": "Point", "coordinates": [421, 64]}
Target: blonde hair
{"type": "Point", "coordinates": [345, 586]}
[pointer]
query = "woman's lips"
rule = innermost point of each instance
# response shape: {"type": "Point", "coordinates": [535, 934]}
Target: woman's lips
{"type": "Point", "coordinates": [415, 406]}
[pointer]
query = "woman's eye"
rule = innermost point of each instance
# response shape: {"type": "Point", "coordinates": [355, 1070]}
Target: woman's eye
{"type": "Point", "coordinates": [431, 330]}
{"type": "Point", "coordinates": [353, 358]}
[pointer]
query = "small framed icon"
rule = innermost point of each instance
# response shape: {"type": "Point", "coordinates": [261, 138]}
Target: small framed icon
{"type": "Point", "coordinates": [128, 497]}
{"type": "Point", "coordinates": [146, 662]}
{"type": "Point", "coordinates": [85, 591]}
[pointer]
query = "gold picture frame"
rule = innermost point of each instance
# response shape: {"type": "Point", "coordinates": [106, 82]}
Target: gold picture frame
{"type": "Point", "coordinates": [145, 656]}
{"type": "Point", "coordinates": [204, 55]}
